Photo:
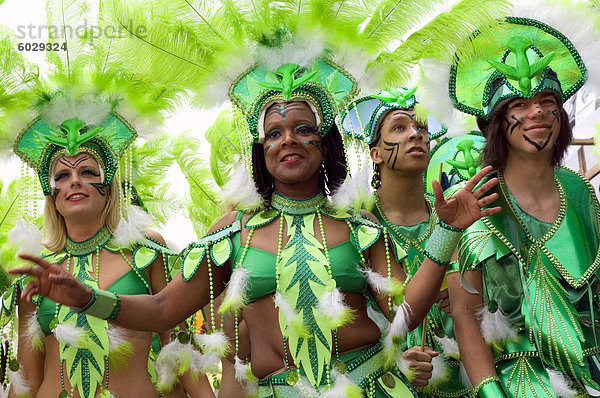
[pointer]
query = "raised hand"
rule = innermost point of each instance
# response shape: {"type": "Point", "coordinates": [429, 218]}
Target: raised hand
{"type": "Point", "coordinates": [465, 207]}
{"type": "Point", "coordinates": [54, 283]}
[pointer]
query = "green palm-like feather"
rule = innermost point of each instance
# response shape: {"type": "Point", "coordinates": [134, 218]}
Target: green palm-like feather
{"type": "Point", "coordinates": [303, 280]}
{"type": "Point", "coordinates": [438, 38]}
{"type": "Point", "coordinates": [152, 163]}
{"type": "Point", "coordinates": [225, 143]}
{"type": "Point", "coordinates": [203, 204]}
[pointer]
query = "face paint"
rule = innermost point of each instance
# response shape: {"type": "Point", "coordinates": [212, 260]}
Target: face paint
{"type": "Point", "coordinates": [56, 192]}
{"type": "Point", "coordinates": [74, 164]}
{"type": "Point", "coordinates": [393, 148]}
{"type": "Point", "coordinates": [512, 124]}
{"type": "Point", "coordinates": [539, 145]}
{"type": "Point", "coordinates": [271, 146]}
{"type": "Point", "coordinates": [316, 143]}
{"type": "Point", "coordinates": [100, 187]}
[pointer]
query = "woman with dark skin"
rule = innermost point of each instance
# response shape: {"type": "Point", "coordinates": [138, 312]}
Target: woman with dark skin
{"type": "Point", "coordinates": [293, 154]}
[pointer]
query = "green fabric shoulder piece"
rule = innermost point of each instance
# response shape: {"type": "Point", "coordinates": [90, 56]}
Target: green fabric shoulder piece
{"type": "Point", "coordinates": [143, 257]}
{"type": "Point", "coordinates": [366, 232]}
{"type": "Point", "coordinates": [219, 245]}
{"type": "Point", "coordinates": [336, 214]}
{"type": "Point", "coordinates": [261, 218]}
{"type": "Point", "coordinates": [477, 244]}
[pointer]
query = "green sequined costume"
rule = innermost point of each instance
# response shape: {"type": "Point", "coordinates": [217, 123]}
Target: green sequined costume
{"type": "Point", "coordinates": [301, 274]}
{"type": "Point", "coordinates": [412, 240]}
{"type": "Point", "coordinates": [86, 364]}
{"type": "Point", "coordinates": [542, 277]}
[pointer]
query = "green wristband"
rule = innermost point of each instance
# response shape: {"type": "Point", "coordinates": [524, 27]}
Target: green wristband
{"type": "Point", "coordinates": [442, 243]}
{"type": "Point", "coordinates": [489, 387]}
{"type": "Point", "coordinates": [103, 305]}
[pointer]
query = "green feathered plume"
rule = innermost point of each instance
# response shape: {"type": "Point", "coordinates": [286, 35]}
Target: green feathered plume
{"type": "Point", "coordinates": [152, 163]}
{"type": "Point", "coordinates": [225, 145]}
{"type": "Point", "coordinates": [203, 203]}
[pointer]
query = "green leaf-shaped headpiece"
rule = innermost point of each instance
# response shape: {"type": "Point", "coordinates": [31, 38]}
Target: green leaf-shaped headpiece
{"type": "Point", "coordinates": [518, 57]}
{"type": "Point", "coordinates": [326, 87]}
{"type": "Point", "coordinates": [41, 144]}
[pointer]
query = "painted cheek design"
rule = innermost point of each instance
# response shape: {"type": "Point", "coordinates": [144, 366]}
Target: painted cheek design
{"type": "Point", "coordinates": [270, 146]}
{"type": "Point", "coordinates": [513, 122]}
{"type": "Point", "coordinates": [100, 187]}
{"type": "Point", "coordinates": [316, 143]}
{"type": "Point", "coordinates": [393, 148]}
{"type": "Point", "coordinates": [56, 192]}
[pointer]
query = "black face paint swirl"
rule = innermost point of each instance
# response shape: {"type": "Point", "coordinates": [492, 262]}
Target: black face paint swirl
{"type": "Point", "coordinates": [100, 187]}
{"type": "Point", "coordinates": [540, 144]}
{"type": "Point", "coordinates": [270, 146]}
{"type": "Point", "coordinates": [410, 116]}
{"type": "Point", "coordinates": [393, 148]}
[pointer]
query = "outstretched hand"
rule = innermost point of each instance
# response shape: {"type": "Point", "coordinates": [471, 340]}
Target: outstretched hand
{"type": "Point", "coordinates": [466, 206]}
{"type": "Point", "coordinates": [53, 282]}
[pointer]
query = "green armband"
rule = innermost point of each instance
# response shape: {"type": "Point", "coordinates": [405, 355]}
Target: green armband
{"type": "Point", "coordinates": [442, 243]}
{"type": "Point", "coordinates": [489, 387]}
{"type": "Point", "coordinates": [103, 305]}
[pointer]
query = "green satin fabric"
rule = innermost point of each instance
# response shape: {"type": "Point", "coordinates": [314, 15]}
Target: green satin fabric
{"type": "Point", "coordinates": [553, 317]}
{"type": "Point", "coordinates": [438, 322]}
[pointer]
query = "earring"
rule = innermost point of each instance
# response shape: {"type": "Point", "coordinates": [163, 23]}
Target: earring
{"type": "Point", "coordinates": [376, 180]}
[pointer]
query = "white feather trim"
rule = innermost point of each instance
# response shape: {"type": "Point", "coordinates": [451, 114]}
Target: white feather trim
{"type": "Point", "coordinates": [70, 335]}
{"type": "Point", "coordinates": [145, 125]}
{"type": "Point", "coordinates": [378, 317]}
{"type": "Point", "coordinates": [34, 333]}
{"type": "Point", "coordinates": [128, 231]}
{"type": "Point", "coordinates": [495, 327]}
{"type": "Point", "coordinates": [292, 317]}
{"type": "Point", "coordinates": [381, 284]}
{"type": "Point", "coordinates": [560, 384]}
{"type": "Point", "coordinates": [18, 383]}
{"type": "Point", "coordinates": [235, 295]}
{"type": "Point", "coordinates": [440, 370]}
{"type": "Point", "coordinates": [241, 368]}
{"type": "Point", "coordinates": [584, 34]}
{"type": "Point", "coordinates": [116, 336]}
{"type": "Point", "coordinates": [449, 345]}
{"type": "Point", "coordinates": [332, 305]}
{"type": "Point", "coordinates": [215, 91]}
{"type": "Point", "coordinates": [169, 361]}
{"type": "Point", "coordinates": [26, 237]}
{"type": "Point", "coordinates": [400, 325]}
{"type": "Point", "coordinates": [213, 342]}
{"type": "Point", "coordinates": [340, 383]}
{"type": "Point", "coordinates": [207, 363]}
{"type": "Point", "coordinates": [91, 110]}
{"type": "Point", "coordinates": [240, 191]}
{"type": "Point", "coordinates": [355, 193]}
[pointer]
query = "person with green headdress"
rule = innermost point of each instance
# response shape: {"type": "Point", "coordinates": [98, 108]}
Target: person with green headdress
{"type": "Point", "coordinates": [302, 295]}
{"type": "Point", "coordinates": [399, 142]}
{"type": "Point", "coordinates": [71, 130]}
{"type": "Point", "coordinates": [524, 304]}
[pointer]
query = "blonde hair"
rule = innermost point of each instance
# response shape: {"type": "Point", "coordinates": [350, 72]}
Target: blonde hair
{"type": "Point", "coordinates": [55, 229]}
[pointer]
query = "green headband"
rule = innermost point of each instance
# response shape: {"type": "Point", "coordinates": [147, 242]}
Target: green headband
{"type": "Point", "coordinates": [325, 86]}
{"type": "Point", "coordinates": [40, 144]}
{"type": "Point", "coordinates": [516, 58]}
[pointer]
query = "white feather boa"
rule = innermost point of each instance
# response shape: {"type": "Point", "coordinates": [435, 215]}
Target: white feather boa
{"type": "Point", "coordinates": [355, 193]}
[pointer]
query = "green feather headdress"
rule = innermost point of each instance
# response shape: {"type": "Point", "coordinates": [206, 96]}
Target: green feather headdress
{"type": "Point", "coordinates": [323, 85]}
{"type": "Point", "coordinates": [517, 57]}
